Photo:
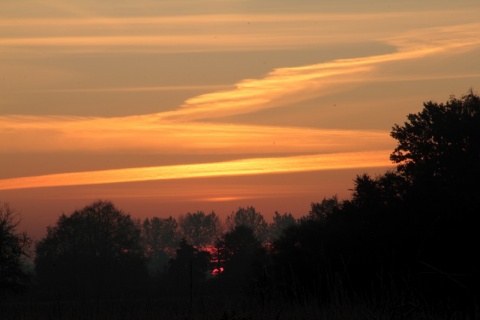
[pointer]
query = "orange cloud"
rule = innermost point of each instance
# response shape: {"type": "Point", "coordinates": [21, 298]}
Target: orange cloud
{"type": "Point", "coordinates": [285, 86]}
{"type": "Point", "coordinates": [150, 134]}
{"type": "Point", "coordinates": [192, 33]}
{"type": "Point", "coordinates": [253, 166]}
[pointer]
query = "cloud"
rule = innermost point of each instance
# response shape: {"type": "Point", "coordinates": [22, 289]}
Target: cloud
{"type": "Point", "coordinates": [285, 86]}
{"type": "Point", "coordinates": [189, 129]}
{"type": "Point", "coordinates": [253, 166]}
{"type": "Point", "coordinates": [151, 134]}
{"type": "Point", "coordinates": [88, 32]}
{"type": "Point", "coordinates": [142, 89]}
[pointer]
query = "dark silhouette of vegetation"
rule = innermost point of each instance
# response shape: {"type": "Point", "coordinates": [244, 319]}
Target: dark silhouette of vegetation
{"type": "Point", "coordinates": [404, 246]}
{"type": "Point", "coordinates": [242, 255]}
{"type": "Point", "coordinates": [200, 229]}
{"type": "Point", "coordinates": [280, 223]}
{"type": "Point", "coordinates": [160, 238]}
{"type": "Point", "coordinates": [413, 229]}
{"type": "Point", "coordinates": [250, 218]}
{"type": "Point", "coordinates": [94, 248]}
{"type": "Point", "coordinates": [14, 250]}
{"type": "Point", "coordinates": [189, 268]}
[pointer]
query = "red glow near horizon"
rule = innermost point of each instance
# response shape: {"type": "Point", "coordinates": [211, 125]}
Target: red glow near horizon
{"type": "Point", "coordinates": [217, 271]}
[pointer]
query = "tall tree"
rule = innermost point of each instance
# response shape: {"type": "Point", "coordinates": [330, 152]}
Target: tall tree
{"type": "Point", "coordinates": [280, 223]}
{"type": "Point", "coordinates": [96, 247]}
{"type": "Point", "coordinates": [440, 146]}
{"type": "Point", "coordinates": [14, 247]}
{"type": "Point", "coordinates": [189, 267]}
{"type": "Point", "coordinates": [250, 218]}
{"type": "Point", "coordinates": [160, 238]}
{"type": "Point", "coordinates": [160, 234]}
{"type": "Point", "coordinates": [242, 256]}
{"type": "Point", "coordinates": [320, 210]}
{"type": "Point", "coordinates": [200, 229]}
{"type": "Point", "coordinates": [438, 154]}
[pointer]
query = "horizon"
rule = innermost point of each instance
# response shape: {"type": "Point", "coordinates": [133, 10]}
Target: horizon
{"type": "Point", "coordinates": [168, 108]}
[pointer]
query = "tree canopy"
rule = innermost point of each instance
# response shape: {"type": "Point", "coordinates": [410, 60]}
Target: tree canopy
{"type": "Point", "coordinates": [417, 222]}
{"type": "Point", "coordinates": [440, 145]}
{"type": "Point", "coordinates": [200, 229]}
{"type": "Point", "coordinates": [98, 245]}
{"type": "Point", "coordinates": [14, 248]}
{"type": "Point", "coordinates": [249, 218]}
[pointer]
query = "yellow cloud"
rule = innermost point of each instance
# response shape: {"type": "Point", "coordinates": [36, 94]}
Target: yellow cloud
{"type": "Point", "coordinates": [285, 86]}
{"type": "Point", "coordinates": [150, 134]}
{"type": "Point", "coordinates": [251, 166]}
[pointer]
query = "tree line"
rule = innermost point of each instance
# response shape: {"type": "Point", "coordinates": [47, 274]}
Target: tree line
{"type": "Point", "coordinates": [411, 232]}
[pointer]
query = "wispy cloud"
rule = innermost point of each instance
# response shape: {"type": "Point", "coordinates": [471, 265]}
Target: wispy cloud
{"type": "Point", "coordinates": [228, 168]}
{"type": "Point", "coordinates": [139, 89]}
{"type": "Point", "coordinates": [192, 33]}
{"type": "Point", "coordinates": [180, 131]}
{"type": "Point", "coordinates": [151, 134]}
{"type": "Point", "coordinates": [289, 85]}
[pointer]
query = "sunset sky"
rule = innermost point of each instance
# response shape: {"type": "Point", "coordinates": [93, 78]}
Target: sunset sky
{"type": "Point", "coordinates": [171, 106]}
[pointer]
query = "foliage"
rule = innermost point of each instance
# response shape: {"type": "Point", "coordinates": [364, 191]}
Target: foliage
{"type": "Point", "coordinates": [188, 268]}
{"type": "Point", "coordinates": [438, 154]}
{"type": "Point", "coordinates": [327, 207]}
{"type": "Point", "coordinates": [250, 218]}
{"type": "Point", "coordinates": [14, 250]}
{"type": "Point", "coordinates": [440, 146]}
{"type": "Point", "coordinates": [280, 223]}
{"type": "Point", "coordinates": [160, 238]}
{"type": "Point", "coordinates": [200, 229]}
{"type": "Point", "coordinates": [242, 255]}
{"type": "Point", "coordinates": [96, 247]}
{"type": "Point", "coordinates": [160, 234]}
{"type": "Point", "coordinates": [414, 228]}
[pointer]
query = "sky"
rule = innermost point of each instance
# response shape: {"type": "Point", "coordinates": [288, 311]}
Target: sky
{"type": "Point", "coordinates": [168, 107]}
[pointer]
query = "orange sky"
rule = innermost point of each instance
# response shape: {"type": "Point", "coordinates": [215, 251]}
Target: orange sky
{"type": "Point", "coordinates": [166, 107]}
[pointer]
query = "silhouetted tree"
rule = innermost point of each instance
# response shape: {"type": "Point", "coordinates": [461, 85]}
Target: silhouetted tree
{"type": "Point", "coordinates": [160, 234]}
{"type": "Point", "coordinates": [250, 218]}
{"type": "Point", "coordinates": [280, 223]}
{"type": "Point", "coordinates": [93, 248]}
{"type": "Point", "coordinates": [417, 222]}
{"type": "Point", "coordinates": [189, 267]}
{"type": "Point", "coordinates": [160, 238]}
{"type": "Point", "coordinates": [200, 229]}
{"type": "Point", "coordinates": [440, 146]}
{"type": "Point", "coordinates": [14, 247]}
{"type": "Point", "coordinates": [243, 257]}
{"type": "Point", "coordinates": [320, 211]}
{"type": "Point", "coordinates": [438, 154]}
{"type": "Point", "coordinates": [300, 260]}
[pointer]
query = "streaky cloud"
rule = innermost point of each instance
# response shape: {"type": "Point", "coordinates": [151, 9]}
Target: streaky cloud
{"type": "Point", "coordinates": [151, 134]}
{"type": "Point", "coordinates": [285, 86]}
{"type": "Point", "coordinates": [251, 166]}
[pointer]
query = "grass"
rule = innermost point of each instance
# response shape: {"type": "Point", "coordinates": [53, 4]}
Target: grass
{"type": "Point", "coordinates": [392, 305]}
{"type": "Point", "coordinates": [153, 301]}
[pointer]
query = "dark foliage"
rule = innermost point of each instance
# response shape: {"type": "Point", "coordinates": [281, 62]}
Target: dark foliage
{"type": "Point", "coordinates": [14, 248]}
{"type": "Point", "coordinates": [438, 154]}
{"type": "Point", "coordinates": [243, 257]}
{"type": "Point", "coordinates": [96, 248]}
{"type": "Point", "coordinates": [249, 218]}
{"type": "Point", "coordinates": [200, 229]}
{"type": "Point", "coordinates": [413, 229]}
{"type": "Point", "coordinates": [188, 269]}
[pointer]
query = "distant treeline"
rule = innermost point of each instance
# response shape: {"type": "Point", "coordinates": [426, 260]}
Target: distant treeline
{"type": "Point", "coordinates": [409, 237]}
